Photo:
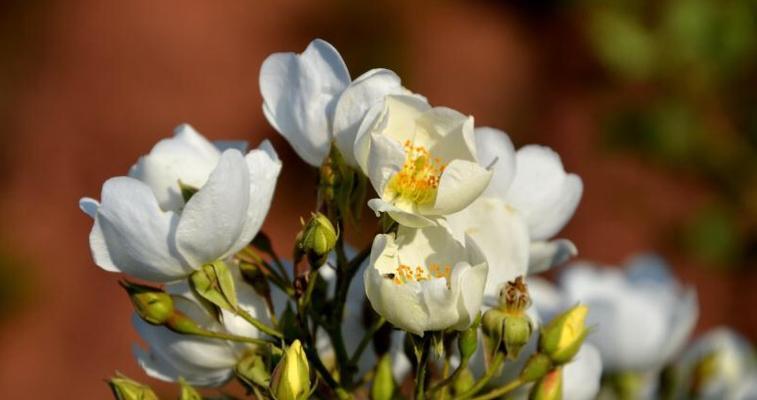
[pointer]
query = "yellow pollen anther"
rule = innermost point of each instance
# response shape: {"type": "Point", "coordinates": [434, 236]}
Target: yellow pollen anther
{"type": "Point", "coordinates": [418, 180]}
{"type": "Point", "coordinates": [406, 274]}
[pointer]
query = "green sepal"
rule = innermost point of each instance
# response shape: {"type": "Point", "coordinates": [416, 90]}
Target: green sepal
{"type": "Point", "coordinates": [214, 283]}
{"type": "Point", "coordinates": [187, 391]}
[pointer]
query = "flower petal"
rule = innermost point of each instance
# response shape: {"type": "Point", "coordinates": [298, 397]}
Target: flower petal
{"type": "Point", "coordinates": [581, 376]}
{"type": "Point", "coordinates": [249, 301]}
{"type": "Point", "coordinates": [404, 218]}
{"type": "Point", "coordinates": [299, 96]}
{"type": "Point", "coordinates": [158, 368]}
{"type": "Point", "coordinates": [133, 235]}
{"type": "Point", "coordinates": [447, 134]}
{"type": "Point", "coordinates": [495, 149]}
{"type": "Point", "coordinates": [461, 183]}
{"type": "Point", "coordinates": [502, 236]}
{"type": "Point", "coordinates": [545, 255]}
{"type": "Point", "coordinates": [471, 280]}
{"type": "Point", "coordinates": [386, 159]}
{"type": "Point", "coordinates": [187, 157]}
{"type": "Point", "coordinates": [214, 217]}
{"type": "Point", "coordinates": [365, 91]}
{"type": "Point", "coordinates": [543, 192]}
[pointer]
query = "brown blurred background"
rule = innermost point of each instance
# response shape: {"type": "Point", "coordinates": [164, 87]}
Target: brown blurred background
{"type": "Point", "coordinates": [652, 104]}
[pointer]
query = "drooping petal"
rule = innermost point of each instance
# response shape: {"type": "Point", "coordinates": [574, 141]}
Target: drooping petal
{"type": "Point", "coordinates": [494, 148]}
{"type": "Point", "coordinates": [264, 166]}
{"type": "Point", "coordinates": [502, 236]}
{"type": "Point", "coordinates": [214, 217]}
{"type": "Point", "coordinates": [187, 157]}
{"type": "Point", "coordinates": [544, 255]}
{"type": "Point", "coordinates": [133, 235]}
{"type": "Point", "coordinates": [461, 183]}
{"type": "Point", "coordinates": [402, 217]}
{"type": "Point", "coordinates": [581, 377]}
{"type": "Point", "coordinates": [299, 97]}
{"type": "Point", "coordinates": [365, 91]}
{"type": "Point", "coordinates": [542, 190]}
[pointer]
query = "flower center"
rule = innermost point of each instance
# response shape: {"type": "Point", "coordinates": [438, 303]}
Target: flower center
{"type": "Point", "coordinates": [406, 273]}
{"type": "Point", "coordinates": [418, 180]}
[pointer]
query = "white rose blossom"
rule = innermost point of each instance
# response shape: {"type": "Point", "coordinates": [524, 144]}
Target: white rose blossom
{"type": "Point", "coordinates": [643, 317]}
{"type": "Point", "coordinates": [529, 199]}
{"type": "Point", "coordinates": [732, 373]}
{"type": "Point", "coordinates": [200, 361]}
{"type": "Point", "coordinates": [424, 280]}
{"type": "Point", "coordinates": [309, 99]}
{"type": "Point", "coordinates": [420, 160]}
{"type": "Point", "coordinates": [144, 228]}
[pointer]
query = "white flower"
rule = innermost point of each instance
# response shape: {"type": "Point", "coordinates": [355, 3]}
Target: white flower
{"type": "Point", "coordinates": [424, 280]}
{"type": "Point", "coordinates": [529, 199]}
{"type": "Point", "coordinates": [309, 99]}
{"type": "Point", "coordinates": [201, 361]}
{"type": "Point", "coordinates": [144, 228]}
{"type": "Point", "coordinates": [643, 317]}
{"type": "Point", "coordinates": [420, 160]}
{"type": "Point", "coordinates": [731, 373]}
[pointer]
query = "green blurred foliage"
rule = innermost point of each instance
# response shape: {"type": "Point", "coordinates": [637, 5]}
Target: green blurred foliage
{"type": "Point", "coordinates": [686, 72]}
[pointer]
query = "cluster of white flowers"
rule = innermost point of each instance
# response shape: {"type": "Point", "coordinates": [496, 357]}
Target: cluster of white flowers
{"type": "Point", "coordinates": [463, 219]}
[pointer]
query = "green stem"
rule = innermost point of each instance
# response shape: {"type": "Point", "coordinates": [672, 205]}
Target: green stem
{"type": "Point", "coordinates": [420, 376]}
{"type": "Point", "coordinates": [233, 338]}
{"type": "Point", "coordinates": [494, 368]}
{"type": "Point", "coordinates": [496, 393]}
{"type": "Point", "coordinates": [448, 380]}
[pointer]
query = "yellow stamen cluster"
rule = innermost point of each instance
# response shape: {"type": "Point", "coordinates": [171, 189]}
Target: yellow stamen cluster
{"type": "Point", "coordinates": [405, 273]}
{"type": "Point", "coordinates": [418, 180]}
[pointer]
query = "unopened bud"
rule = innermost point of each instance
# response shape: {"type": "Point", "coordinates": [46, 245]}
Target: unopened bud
{"type": "Point", "coordinates": [317, 239]}
{"type": "Point", "coordinates": [151, 304]}
{"type": "Point", "coordinates": [383, 383]}
{"type": "Point", "coordinates": [548, 387]}
{"type": "Point", "coordinates": [512, 330]}
{"type": "Point", "coordinates": [253, 371]}
{"type": "Point", "coordinates": [291, 377]}
{"type": "Point", "coordinates": [188, 392]}
{"type": "Point", "coordinates": [463, 382]}
{"type": "Point", "coordinates": [562, 337]}
{"type": "Point", "coordinates": [468, 341]}
{"type": "Point", "coordinates": [127, 389]}
{"type": "Point", "coordinates": [536, 367]}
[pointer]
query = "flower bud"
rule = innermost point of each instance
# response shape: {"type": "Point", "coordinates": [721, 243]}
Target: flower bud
{"type": "Point", "coordinates": [548, 387]}
{"type": "Point", "coordinates": [562, 337]}
{"type": "Point", "coordinates": [316, 239]}
{"type": "Point", "coordinates": [536, 367]}
{"type": "Point", "coordinates": [291, 377]}
{"type": "Point", "coordinates": [468, 341]}
{"type": "Point", "coordinates": [151, 304]}
{"type": "Point", "coordinates": [513, 331]}
{"type": "Point", "coordinates": [188, 392]}
{"type": "Point", "coordinates": [383, 382]}
{"type": "Point", "coordinates": [127, 389]}
{"type": "Point", "coordinates": [253, 370]}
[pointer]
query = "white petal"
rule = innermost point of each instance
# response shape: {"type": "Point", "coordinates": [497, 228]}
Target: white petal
{"type": "Point", "coordinates": [404, 218]}
{"type": "Point", "coordinates": [500, 233]}
{"type": "Point", "coordinates": [365, 91]}
{"type": "Point", "coordinates": [447, 134]}
{"type": "Point", "coordinates": [264, 166]}
{"type": "Point", "coordinates": [299, 96]}
{"type": "Point", "coordinates": [89, 206]}
{"type": "Point", "coordinates": [581, 377]}
{"type": "Point", "coordinates": [133, 235]}
{"type": "Point", "coordinates": [442, 303]}
{"type": "Point", "coordinates": [251, 302]}
{"type": "Point", "coordinates": [461, 183]}
{"type": "Point", "coordinates": [471, 280]}
{"type": "Point", "coordinates": [158, 368]}
{"type": "Point", "coordinates": [495, 148]}
{"type": "Point", "coordinates": [545, 255]}
{"type": "Point", "coordinates": [543, 192]}
{"type": "Point", "coordinates": [386, 159]}
{"type": "Point", "coordinates": [187, 157]}
{"type": "Point", "coordinates": [683, 319]}
{"type": "Point", "coordinates": [213, 218]}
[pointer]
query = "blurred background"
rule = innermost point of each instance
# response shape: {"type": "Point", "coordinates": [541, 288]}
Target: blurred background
{"type": "Point", "coordinates": [652, 103]}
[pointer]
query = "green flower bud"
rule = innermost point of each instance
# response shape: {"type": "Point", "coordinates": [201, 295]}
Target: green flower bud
{"type": "Point", "coordinates": [549, 387]}
{"type": "Point", "coordinates": [188, 392]}
{"type": "Point", "coordinates": [512, 330]}
{"type": "Point", "coordinates": [493, 324]}
{"type": "Point", "coordinates": [562, 337]}
{"type": "Point", "coordinates": [536, 367]}
{"type": "Point", "coordinates": [151, 304]}
{"type": "Point", "coordinates": [253, 370]}
{"type": "Point", "coordinates": [463, 382]}
{"type": "Point", "coordinates": [316, 239]}
{"type": "Point", "coordinates": [468, 341]}
{"type": "Point", "coordinates": [383, 383]}
{"type": "Point", "coordinates": [291, 377]}
{"type": "Point", "coordinates": [127, 389]}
